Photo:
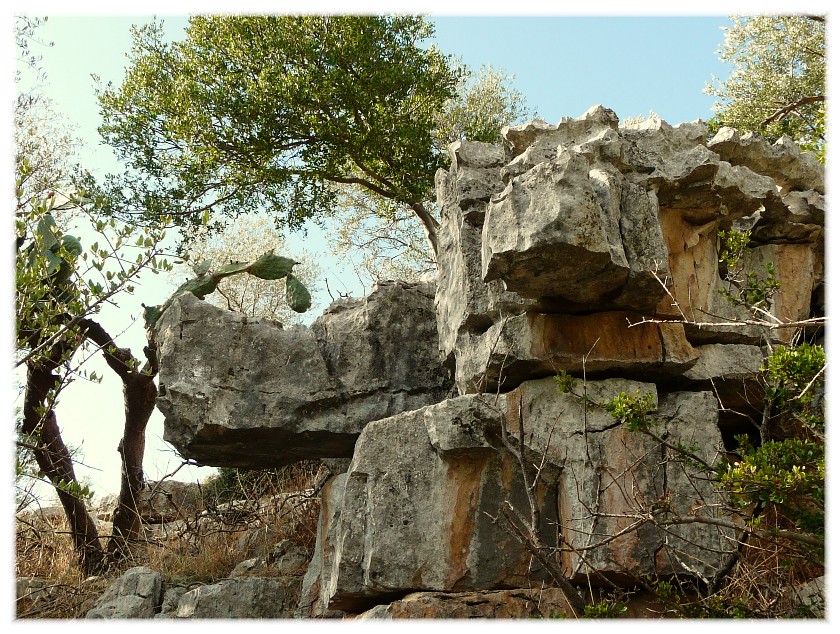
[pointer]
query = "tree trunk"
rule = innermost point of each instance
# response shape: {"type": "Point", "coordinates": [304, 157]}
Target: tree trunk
{"type": "Point", "coordinates": [139, 391]}
{"type": "Point", "coordinates": [430, 225]}
{"type": "Point", "coordinates": [55, 461]}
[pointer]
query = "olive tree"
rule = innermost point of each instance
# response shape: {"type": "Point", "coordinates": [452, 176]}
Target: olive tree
{"type": "Point", "coordinates": [271, 112]}
{"type": "Point", "coordinates": [61, 283]}
{"type": "Point", "coordinates": [777, 84]}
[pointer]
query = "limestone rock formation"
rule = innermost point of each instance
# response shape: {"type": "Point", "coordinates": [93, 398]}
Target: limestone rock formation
{"type": "Point", "coordinates": [445, 477]}
{"type": "Point", "coordinates": [246, 392]}
{"type": "Point", "coordinates": [592, 217]}
{"type": "Point", "coordinates": [533, 344]}
{"type": "Point", "coordinates": [583, 248]}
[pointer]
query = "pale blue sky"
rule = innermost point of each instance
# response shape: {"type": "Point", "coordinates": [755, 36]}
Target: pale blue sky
{"type": "Point", "coordinates": [562, 65]}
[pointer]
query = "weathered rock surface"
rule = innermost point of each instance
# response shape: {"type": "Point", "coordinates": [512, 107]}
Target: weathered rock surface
{"type": "Point", "coordinates": [606, 469]}
{"type": "Point", "coordinates": [595, 217]}
{"type": "Point", "coordinates": [699, 292]}
{"type": "Point", "coordinates": [433, 478]}
{"type": "Point", "coordinates": [731, 371]}
{"type": "Point", "coordinates": [790, 167]}
{"type": "Point", "coordinates": [314, 594]}
{"type": "Point", "coordinates": [134, 595]}
{"type": "Point", "coordinates": [689, 419]}
{"type": "Point", "coordinates": [464, 303]}
{"type": "Point", "coordinates": [497, 604]}
{"type": "Point", "coordinates": [169, 604]}
{"type": "Point", "coordinates": [400, 490]}
{"type": "Point", "coordinates": [546, 234]}
{"type": "Point", "coordinates": [241, 598]}
{"type": "Point", "coordinates": [243, 392]}
{"type": "Point", "coordinates": [534, 345]}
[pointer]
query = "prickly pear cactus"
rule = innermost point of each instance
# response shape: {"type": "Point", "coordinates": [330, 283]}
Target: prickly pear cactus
{"type": "Point", "coordinates": [268, 267]}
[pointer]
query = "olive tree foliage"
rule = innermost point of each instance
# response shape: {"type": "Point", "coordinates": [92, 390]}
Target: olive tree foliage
{"type": "Point", "coordinates": [482, 105]}
{"type": "Point", "coordinates": [62, 280]}
{"type": "Point", "coordinates": [271, 112]}
{"type": "Point", "coordinates": [777, 85]}
{"type": "Point", "coordinates": [392, 246]}
{"type": "Point", "coordinates": [246, 240]}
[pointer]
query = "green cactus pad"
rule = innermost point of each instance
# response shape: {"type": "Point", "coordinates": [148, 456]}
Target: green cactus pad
{"type": "Point", "coordinates": [199, 286]}
{"type": "Point", "coordinates": [151, 314]}
{"type": "Point", "coordinates": [72, 244]}
{"type": "Point", "coordinates": [297, 296]}
{"type": "Point", "coordinates": [202, 267]}
{"type": "Point", "coordinates": [271, 267]}
{"type": "Point", "coordinates": [231, 269]}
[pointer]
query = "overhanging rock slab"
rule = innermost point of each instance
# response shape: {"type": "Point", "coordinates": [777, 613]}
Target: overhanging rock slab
{"type": "Point", "coordinates": [242, 392]}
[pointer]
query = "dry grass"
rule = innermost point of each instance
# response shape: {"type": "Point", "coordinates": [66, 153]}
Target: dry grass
{"type": "Point", "coordinates": [45, 551]}
{"type": "Point", "coordinates": [767, 569]}
{"type": "Point", "coordinates": [196, 550]}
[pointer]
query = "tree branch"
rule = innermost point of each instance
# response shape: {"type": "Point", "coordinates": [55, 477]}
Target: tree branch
{"type": "Point", "coordinates": [785, 110]}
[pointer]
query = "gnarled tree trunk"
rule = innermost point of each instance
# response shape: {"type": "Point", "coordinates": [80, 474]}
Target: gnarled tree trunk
{"type": "Point", "coordinates": [55, 461]}
{"type": "Point", "coordinates": [139, 394]}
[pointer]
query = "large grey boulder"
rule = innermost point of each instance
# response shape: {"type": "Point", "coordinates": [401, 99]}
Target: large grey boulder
{"type": "Point", "coordinates": [241, 598]}
{"type": "Point", "coordinates": [134, 595]}
{"type": "Point", "coordinates": [245, 392]}
{"type": "Point", "coordinates": [546, 234]}
{"type": "Point", "coordinates": [414, 511]}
